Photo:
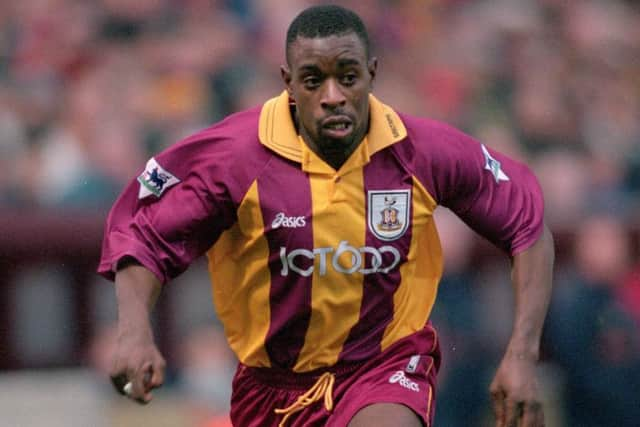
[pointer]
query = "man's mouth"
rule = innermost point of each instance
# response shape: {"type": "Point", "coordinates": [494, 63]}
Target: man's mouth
{"type": "Point", "coordinates": [337, 126]}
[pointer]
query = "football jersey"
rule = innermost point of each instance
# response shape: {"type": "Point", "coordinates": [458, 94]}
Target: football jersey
{"type": "Point", "coordinates": [312, 266]}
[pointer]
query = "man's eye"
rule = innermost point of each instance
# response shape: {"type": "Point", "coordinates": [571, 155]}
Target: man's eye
{"type": "Point", "coordinates": [311, 82]}
{"type": "Point", "coordinates": [349, 79]}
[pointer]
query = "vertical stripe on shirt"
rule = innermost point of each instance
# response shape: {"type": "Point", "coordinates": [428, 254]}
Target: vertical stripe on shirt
{"type": "Point", "coordinates": [377, 308]}
{"type": "Point", "coordinates": [416, 294]}
{"type": "Point", "coordinates": [338, 208]}
{"type": "Point", "coordinates": [285, 198]}
{"type": "Point", "coordinates": [240, 281]}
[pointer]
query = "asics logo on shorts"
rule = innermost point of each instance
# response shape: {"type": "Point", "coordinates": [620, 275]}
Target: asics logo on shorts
{"type": "Point", "coordinates": [400, 378]}
{"type": "Point", "coordinates": [344, 259]}
{"type": "Point", "coordinates": [281, 220]}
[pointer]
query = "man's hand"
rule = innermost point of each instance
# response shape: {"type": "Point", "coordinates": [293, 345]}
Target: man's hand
{"type": "Point", "coordinates": [514, 390]}
{"type": "Point", "coordinates": [137, 361]}
{"type": "Point", "coordinates": [514, 393]}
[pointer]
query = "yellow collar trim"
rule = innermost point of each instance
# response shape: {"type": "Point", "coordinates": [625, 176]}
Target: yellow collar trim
{"type": "Point", "coordinates": [313, 163]}
{"type": "Point", "coordinates": [277, 130]}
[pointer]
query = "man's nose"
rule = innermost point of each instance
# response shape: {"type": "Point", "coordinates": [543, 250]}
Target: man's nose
{"type": "Point", "coordinates": [332, 97]}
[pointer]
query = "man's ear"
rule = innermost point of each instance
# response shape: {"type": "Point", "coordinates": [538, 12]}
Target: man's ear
{"type": "Point", "coordinates": [372, 67]}
{"type": "Point", "coordinates": [286, 77]}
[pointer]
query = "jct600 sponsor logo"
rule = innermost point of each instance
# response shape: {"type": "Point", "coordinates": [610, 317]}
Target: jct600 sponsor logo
{"type": "Point", "coordinates": [338, 260]}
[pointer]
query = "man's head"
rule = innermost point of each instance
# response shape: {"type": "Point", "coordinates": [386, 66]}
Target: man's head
{"type": "Point", "coordinates": [325, 21]}
{"type": "Point", "coordinates": [329, 75]}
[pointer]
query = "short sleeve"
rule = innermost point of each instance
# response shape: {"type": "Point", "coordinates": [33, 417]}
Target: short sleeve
{"type": "Point", "coordinates": [173, 211]}
{"type": "Point", "coordinates": [498, 197]}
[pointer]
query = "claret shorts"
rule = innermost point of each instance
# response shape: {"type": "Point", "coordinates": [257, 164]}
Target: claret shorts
{"type": "Point", "coordinates": [404, 373]}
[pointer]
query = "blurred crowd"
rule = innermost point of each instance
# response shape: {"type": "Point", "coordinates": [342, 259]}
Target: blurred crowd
{"type": "Point", "coordinates": [89, 90]}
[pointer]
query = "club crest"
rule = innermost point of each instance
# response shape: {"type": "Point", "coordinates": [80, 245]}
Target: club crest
{"type": "Point", "coordinates": [388, 216]}
{"type": "Point", "coordinates": [155, 180]}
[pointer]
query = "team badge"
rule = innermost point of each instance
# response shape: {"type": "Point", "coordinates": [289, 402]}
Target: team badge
{"type": "Point", "coordinates": [155, 180]}
{"type": "Point", "coordinates": [388, 216]}
{"type": "Point", "coordinates": [493, 166]}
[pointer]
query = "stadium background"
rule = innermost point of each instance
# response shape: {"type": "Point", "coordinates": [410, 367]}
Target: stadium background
{"type": "Point", "coordinates": [90, 89]}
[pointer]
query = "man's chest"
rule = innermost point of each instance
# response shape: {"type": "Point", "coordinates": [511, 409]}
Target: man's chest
{"type": "Point", "coordinates": [360, 221]}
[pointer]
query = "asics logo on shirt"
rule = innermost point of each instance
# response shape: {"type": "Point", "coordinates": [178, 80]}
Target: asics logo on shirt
{"type": "Point", "coordinates": [400, 378]}
{"type": "Point", "coordinates": [281, 220]}
{"type": "Point", "coordinates": [344, 259]}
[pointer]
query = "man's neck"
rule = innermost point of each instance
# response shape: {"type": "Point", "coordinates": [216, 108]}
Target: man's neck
{"type": "Point", "coordinates": [334, 158]}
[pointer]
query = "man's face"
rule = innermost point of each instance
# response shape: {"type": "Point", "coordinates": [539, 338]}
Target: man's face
{"type": "Point", "coordinates": [330, 79]}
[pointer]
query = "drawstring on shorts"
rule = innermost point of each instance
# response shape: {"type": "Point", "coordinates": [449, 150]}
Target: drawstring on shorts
{"type": "Point", "coordinates": [323, 387]}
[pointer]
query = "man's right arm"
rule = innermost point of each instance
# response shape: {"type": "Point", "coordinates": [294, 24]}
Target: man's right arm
{"type": "Point", "coordinates": [152, 237]}
{"type": "Point", "coordinates": [137, 359]}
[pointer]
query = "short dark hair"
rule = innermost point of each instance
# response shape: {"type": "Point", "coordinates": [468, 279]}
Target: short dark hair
{"type": "Point", "coordinates": [325, 21]}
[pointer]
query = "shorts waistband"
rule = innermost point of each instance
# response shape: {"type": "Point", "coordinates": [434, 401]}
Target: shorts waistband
{"type": "Point", "coordinates": [302, 380]}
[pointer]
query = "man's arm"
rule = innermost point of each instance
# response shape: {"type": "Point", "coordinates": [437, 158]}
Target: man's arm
{"type": "Point", "coordinates": [514, 389]}
{"type": "Point", "coordinates": [137, 359]}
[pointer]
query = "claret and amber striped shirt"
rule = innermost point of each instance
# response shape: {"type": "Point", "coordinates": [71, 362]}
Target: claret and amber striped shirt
{"type": "Point", "coordinates": [311, 266]}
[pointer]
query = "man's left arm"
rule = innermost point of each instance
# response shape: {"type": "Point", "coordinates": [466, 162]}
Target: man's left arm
{"type": "Point", "coordinates": [502, 200]}
{"type": "Point", "coordinates": [514, 389]}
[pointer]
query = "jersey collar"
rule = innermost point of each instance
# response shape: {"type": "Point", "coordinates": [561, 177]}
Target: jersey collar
{"type": "Point", "coordinates": [278, 133]}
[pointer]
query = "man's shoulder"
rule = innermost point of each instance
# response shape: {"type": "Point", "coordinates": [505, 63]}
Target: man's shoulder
{"type": "Point", "coordinates": [236, 132]}
{"type": "Point", "coordinates": [227, 141]}
{"type": "Point", "coordinates": [427, 127]}
{"type": "Point", "coordinates": [435, 137]}
{"type": "Point", "coordinates": [238, 126]}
